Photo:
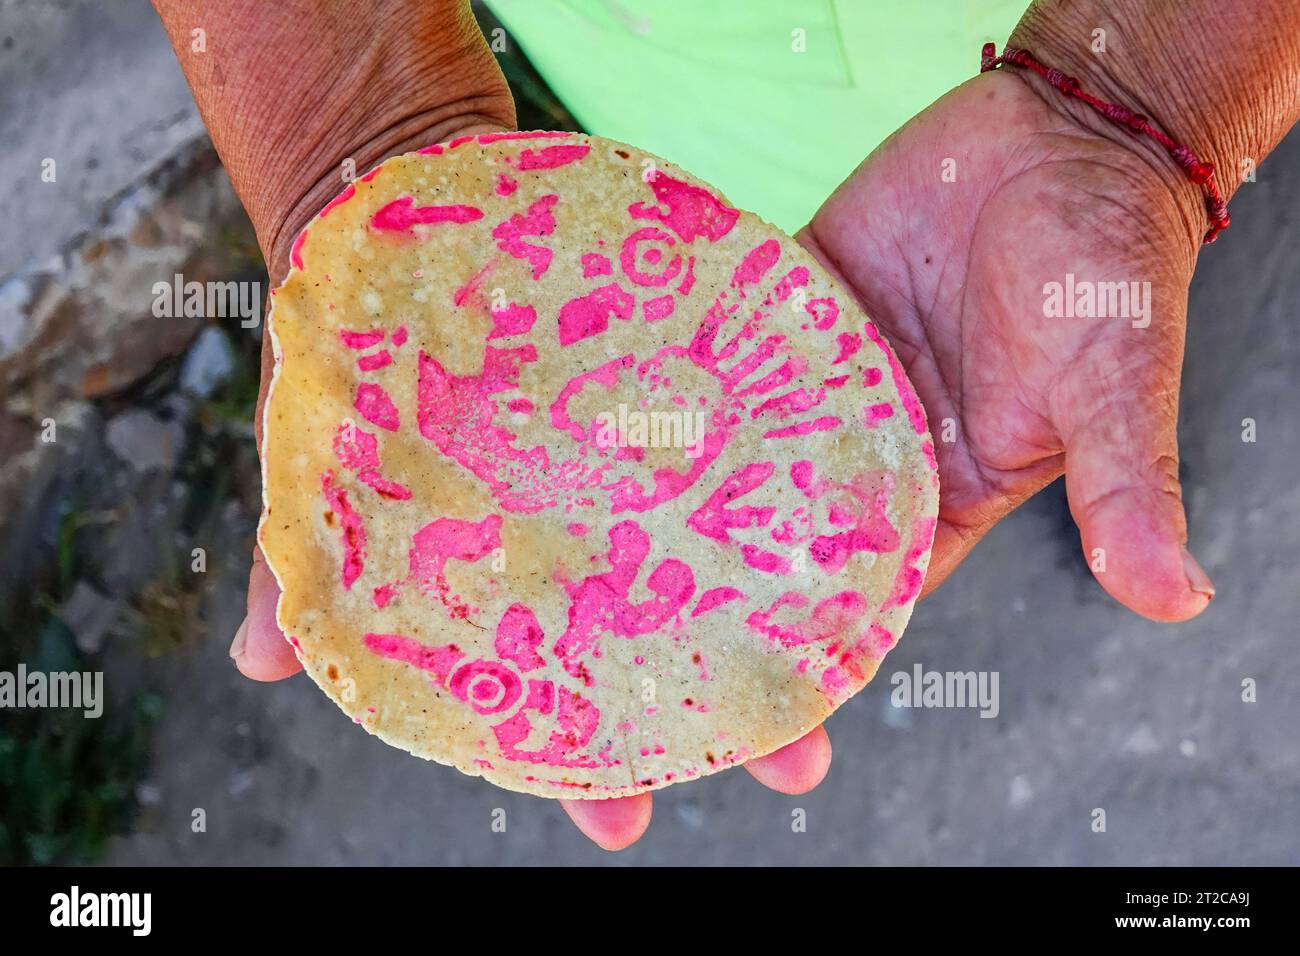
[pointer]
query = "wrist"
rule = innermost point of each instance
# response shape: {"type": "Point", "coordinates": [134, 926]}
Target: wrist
{"type": "Point", "coordinates": [1065, 41]}
{"type": "Point", "coordinates": [1216, 77]}
{"type": "Point", "coordinates": [291, 202]}
{"type": "Point", "coordinates": [399, 101]}
{"type": "Point", "coordinates": [298, 95]}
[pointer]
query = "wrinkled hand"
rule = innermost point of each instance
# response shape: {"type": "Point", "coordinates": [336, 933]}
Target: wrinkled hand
{"type": "Point", "coordinates": [953, 269]}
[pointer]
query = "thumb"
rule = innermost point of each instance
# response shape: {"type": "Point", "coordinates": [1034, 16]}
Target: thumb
{"type": "Point", "coordinates": [1121, 475]}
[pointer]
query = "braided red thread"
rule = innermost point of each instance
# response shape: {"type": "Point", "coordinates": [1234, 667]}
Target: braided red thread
{"type": "Point", "coordinates": [1198, 172]}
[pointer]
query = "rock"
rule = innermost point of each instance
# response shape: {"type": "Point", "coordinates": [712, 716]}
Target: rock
{"type": "Point", "coordinates": [37, 480]}
{"type": "Point", "coordinates": [96, 87]}
{"type": "Point", "coordinates": [208, 363]}
{"type": "Point", "coordinates": [90, 616]}
{"type": "Point", "coordinates": [131, 547]}
{"type": "Point", "coordinates": [15, 296]}
{"type": "Point", "coordinates": [88, 322]}
{"type": "Point", "coordinates": [144, 441]}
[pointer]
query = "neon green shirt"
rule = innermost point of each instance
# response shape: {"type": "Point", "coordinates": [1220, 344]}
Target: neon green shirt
{"type": "Point", "coordinates": [773, 101]}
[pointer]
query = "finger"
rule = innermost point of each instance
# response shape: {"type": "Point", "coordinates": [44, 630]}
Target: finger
{"type": "Point", "coordinates": [1121, 476]}
{"type": "Point", "coordinates": [260, 649]}
{"type": "Point", "coordinates": [796, 767]}
{"type": "Point", "coordinates": [611, 824]}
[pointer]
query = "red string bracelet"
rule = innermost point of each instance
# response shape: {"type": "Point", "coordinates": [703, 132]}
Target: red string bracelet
{"type": "Point", "coordinates": [1197, 171]}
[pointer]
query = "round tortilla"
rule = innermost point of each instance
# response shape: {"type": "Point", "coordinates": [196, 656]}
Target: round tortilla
{"type": "Point", "coordinates": [577, 478]}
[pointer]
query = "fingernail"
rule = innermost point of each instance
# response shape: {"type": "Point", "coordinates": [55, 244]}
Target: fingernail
{"type": "Point", "coordinates": [241, 635]}
{"type": "Point", "coordinates": [1197, 579]}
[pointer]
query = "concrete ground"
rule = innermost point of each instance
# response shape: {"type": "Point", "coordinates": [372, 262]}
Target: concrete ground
{"type": "Point", "coordinates": [1099, 709]}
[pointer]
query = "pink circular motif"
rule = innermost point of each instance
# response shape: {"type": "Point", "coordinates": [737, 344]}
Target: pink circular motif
{"type": "Point", "coordinates": [628, 257]}
{"type": "Point", "coordinates": [493, 686]}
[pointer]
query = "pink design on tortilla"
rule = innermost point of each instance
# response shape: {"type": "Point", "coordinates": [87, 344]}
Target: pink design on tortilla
{"type": "Point", "coordinates": [571, 462]}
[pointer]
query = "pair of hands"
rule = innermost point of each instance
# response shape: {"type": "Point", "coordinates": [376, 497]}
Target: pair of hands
{"type": "Point", "coordinates": [951, 268]}
{"type": "Point", "coordinates": [953, 272]}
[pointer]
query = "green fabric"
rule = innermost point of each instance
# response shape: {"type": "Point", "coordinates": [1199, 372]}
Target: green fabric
{"type": "Point", "coordinates": [718, 87]}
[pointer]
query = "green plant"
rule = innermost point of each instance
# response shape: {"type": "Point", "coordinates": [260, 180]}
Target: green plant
{"type": "Point", "coordinates": [67, 783]}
